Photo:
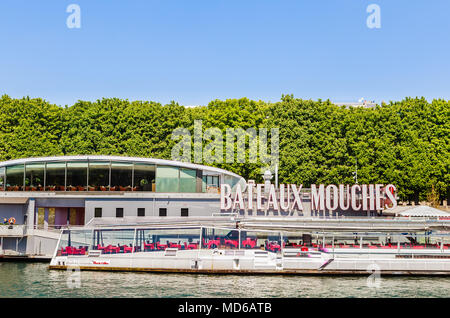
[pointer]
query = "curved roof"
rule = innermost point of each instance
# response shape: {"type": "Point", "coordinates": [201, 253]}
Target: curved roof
{"type": "Point", "coordinates": [162, 162]}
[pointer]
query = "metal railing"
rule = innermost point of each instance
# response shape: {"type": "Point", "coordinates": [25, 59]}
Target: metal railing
{"type": "Point", "coordinates": [12, 230]}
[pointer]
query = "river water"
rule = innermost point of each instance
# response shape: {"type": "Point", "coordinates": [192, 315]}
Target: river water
{"type": "Point", "coordinates": [35, 280]}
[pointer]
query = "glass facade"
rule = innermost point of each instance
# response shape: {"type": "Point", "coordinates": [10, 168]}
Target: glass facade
{"type": "Point", "coordinates": [232, 181]}
{"type": "Point", "coordinates": [121, 176]}
{"type": "Point", "coordinates": [188, 180]}
{"type": "Point", "coordinates": [210, 184]}
{"type": "Point", "coordinates": [34, 177]}
{"type": "Point", "coordinates": [2, 179]}
{"type": "Point", "coordinates": [167, 179]}
{"type": "Point", "coordinates": [55, 176]}
{"type": "Point", "coordinates": [107, 176]}
{"type": "Point", "coordinates": [77, 176]}
{"type": "Point", "coordinates": [15, 178]}
{"type": "Point", "coordinates": [144, 177]}
{"type": "Point", "coordinates": [99, 176]}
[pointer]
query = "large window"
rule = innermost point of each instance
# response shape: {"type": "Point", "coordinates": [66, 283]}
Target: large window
{"type": "Point", "coordinates": [144, 177]}
{"type": "Point", "coordinates": [34, 177]}
{"type": "Point", "coordinates": [77, 176]}
{"type": "Point", "coordinates": [104, 176]}
{"type": "Point", "coordinates": [121, 176]}
{"type": "Point", "coordinates": [210, 184]}
{"type": "Point", "coordinates": [167, 179]}
{"type": "Point", "coordinates": [14, 177]}
{"type": "Point", "coordinates": [55, 179]}
{"type": "Point", "coordinates": [98, 176]}
{"type": "Point", "coordinates": [232, 181]}
{"type": "Point", "coordinates": [188, 180]}
{"type": "Point", "coordinates": [2, 179]}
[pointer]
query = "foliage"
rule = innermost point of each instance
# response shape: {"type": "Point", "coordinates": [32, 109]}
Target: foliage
{"type": "Point", "coordinates": [405, 143]}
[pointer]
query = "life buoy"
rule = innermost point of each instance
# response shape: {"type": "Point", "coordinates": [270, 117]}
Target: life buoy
{"type": "Point", "coordinates": [12, 221]}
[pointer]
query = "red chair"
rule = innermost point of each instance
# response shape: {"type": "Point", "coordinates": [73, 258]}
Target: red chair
{"type": "Point", "coordinates": [193, 246]}
{"type": "Point", "coordinates": [230, 243]}
{"type": "Point", "coordinates": [174, 245]}
{"type": "Point", "coordinates": [149, 246]}
{"type": "Point", "coordinates": [127, 249]}
{"type": "Point", "coordinates": [249, 243]}
{"type": "Point", "coordinates": [69, 250]}
{"type": "Point", "coordinates": [112, 249]}
{"type": "Point", "coordinates": [214, 243]}
{"type": "Point", "coordinates": [274, 246]}
{"type": "Point", "coordinates": [190, 246]}
{"type": "Point", "coordinates": [161, 247]}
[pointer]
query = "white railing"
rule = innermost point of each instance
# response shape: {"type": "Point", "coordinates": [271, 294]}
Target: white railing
{"type": "Point", "coordinates": [12, 230]}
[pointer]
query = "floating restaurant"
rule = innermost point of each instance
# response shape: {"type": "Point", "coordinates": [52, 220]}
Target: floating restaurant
{"type": "Point", "coordinates": [124, 213]}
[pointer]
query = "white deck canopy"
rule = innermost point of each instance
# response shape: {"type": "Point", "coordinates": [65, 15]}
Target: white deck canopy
{"type": "Point", "coordinates": [423, 211]}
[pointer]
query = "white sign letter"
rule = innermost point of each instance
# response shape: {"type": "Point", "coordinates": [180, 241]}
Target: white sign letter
{"type": "Point", "coordinates": [225, 196]}
{"type": "Point", "coordinates": [317, 198]}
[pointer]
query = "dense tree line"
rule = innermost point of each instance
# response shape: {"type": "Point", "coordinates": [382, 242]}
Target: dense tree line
{"type": "Point", "coordinates": [406, 143]}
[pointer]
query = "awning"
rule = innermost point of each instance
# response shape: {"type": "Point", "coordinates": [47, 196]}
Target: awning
{"type": "Point", "coordinates": [424, 211]}
{"type": "Point", "coordinates": [13, 200]}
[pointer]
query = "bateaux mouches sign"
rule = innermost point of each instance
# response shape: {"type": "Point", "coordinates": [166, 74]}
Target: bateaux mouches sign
{"type": "Point", "coordinates": [289, 198]}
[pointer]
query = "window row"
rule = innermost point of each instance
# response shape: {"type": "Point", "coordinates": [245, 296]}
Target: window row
{"type": "Point", "coordinates": [140, 212]}
{"type": "Point", "coordinates": [103, 176]}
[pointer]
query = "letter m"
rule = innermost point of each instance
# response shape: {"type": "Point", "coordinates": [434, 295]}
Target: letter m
{"type": "Point", "coordinates": [317, 197]}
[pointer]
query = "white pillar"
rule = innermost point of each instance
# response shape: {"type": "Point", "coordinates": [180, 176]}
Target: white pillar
{"type": "Point", "coordinates": [31, 212]}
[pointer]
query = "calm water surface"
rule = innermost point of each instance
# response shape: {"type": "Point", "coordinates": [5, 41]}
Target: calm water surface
{"type": "Point", "coordinates": [35, 280]}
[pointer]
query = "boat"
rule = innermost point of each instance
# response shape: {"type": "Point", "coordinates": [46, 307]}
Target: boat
{"type": "Point", "coordinates": [235, 249]}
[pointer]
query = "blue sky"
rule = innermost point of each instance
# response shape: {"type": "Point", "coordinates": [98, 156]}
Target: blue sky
{"type": "Point", "coordinates": [194, 51]}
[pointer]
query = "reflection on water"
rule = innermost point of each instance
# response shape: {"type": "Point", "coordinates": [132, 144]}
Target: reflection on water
{"type": "Point", "coordinates": [35, 280]}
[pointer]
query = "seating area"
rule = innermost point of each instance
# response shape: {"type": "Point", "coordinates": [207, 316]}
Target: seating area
{"type": "Point", "coordinates": [73, 188]}
{"type": "Point", "coordinates": [249, 243]}
{"type": "Point", "coordinates": [273, 246]}
{"type": "Point", "coordinates": [218, 242]}
{"type": "Point", "coordinates": [228, 243]}
{"type": "Point", "coordinates": [71, 250]}
{"type": "Point", "coordinates": [390, 246]}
